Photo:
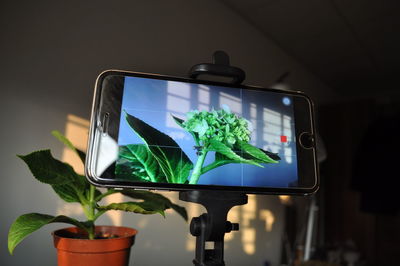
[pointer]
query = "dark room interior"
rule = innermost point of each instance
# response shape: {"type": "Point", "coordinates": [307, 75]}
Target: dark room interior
{"type": "Point", "coordinates": [343, 54]}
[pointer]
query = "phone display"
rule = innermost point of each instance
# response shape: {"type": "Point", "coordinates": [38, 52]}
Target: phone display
{"type": "Point", "coordinates": [158, 132]}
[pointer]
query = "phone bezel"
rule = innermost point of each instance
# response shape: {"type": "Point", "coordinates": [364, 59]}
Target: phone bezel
{"type": "Point", "coordinates": [310, 168]}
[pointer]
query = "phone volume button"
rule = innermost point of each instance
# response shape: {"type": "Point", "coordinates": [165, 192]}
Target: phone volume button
{"type": "Point", "coordinates": [105, 122]}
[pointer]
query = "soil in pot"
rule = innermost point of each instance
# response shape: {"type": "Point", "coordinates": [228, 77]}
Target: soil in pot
{"type": "Point", "coordinates": [111, 246]}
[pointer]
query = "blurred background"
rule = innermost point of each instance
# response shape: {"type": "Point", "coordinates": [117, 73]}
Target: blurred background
{"type": "Point", "coordinates": [344, 54]}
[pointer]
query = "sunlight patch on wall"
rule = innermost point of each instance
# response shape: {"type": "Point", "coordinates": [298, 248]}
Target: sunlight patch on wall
{"type": "Point", "coordinates": [234, 217]}
{"type": "Point", "coordinates": [269, 218]}
{"type": "Point", "coordinates": [68, 209]}
{"type": "Point", "coordinates": [193, 210]}
{"type": "Point", "coordinates": [76, 130]}
{"type": "Point", "coordinates": [249, 239]}
{"type": "Point", "coordinates": [249, 233]}
{"type": "Point", "coordinates": [285, 199]}
{"type": "Point", "coordinates": [115, 216]}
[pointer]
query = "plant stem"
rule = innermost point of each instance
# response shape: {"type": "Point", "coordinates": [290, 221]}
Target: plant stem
{"type": "Point", "coordinates": [91, 211]}
{"type": "Point", "coordinates": [197, 168]}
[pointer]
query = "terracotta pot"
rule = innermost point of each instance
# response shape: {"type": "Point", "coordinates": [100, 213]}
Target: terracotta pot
{"type": "Point", "coordinates": [72, 251]}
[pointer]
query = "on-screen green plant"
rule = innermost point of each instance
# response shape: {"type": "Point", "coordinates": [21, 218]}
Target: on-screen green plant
{"type": "Point", "coordinates": [160, 159]}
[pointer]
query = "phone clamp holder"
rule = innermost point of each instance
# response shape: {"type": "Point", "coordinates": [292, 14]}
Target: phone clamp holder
{"type": "Point", "coordinates": [212, 226]}
{"type": "Point", "coordinates": [220, 67]}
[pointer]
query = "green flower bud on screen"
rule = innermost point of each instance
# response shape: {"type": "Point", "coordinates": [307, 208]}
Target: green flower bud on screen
{"type": "Point", "coordinates": [222, 125]}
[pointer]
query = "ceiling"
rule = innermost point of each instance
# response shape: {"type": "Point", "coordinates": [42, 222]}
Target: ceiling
{"type": "Point", "coordinates": [351, 45]}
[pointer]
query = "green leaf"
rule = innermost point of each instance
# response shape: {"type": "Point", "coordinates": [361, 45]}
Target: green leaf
{"type": "Point", "coordinates": [81, 183]}
{"type": "Point", "coordinates": [178, 121]}
{"type": "Point", "coordinates": [136, 207]}
{"type": "Point", "coordinates": [221, 160]}
{"type": "Point", "coordinates": [157, 199]}
{"type": "Point", "coordinates": [31, 222]}
{"type": "Point", "coordinates": [273, 156]}
{"type": "Point", "coordinates": [68, 185]}
{"type": "Point", "coordinates": [175, 164]}
{"type": "Point", "coordinates": [66, 192]}
{"type": "Point", "coordinates": [47, 169]}
{"type": "Point", "coordinates": [126, 170]}
{"type": "Point", "coordinates": [69, 144]}
{"type": "Point", "coordinates": [255, 152]}
{"type": "Point", "coordinates": [223, 149]}
{"type": "Point", "coordinates": [141, 161]}
{"type": "Point", "coordinates": [200, 127]}
{"type": "Point", "coordinates": [246, 153]}
{"type": "Point", "coordinates": [76, 191]}
{"type": "Point", "coordinates": [61, 176]}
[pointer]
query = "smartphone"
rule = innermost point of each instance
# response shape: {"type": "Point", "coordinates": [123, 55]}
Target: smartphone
{"type": "Point", "coordinates": [159, 132]}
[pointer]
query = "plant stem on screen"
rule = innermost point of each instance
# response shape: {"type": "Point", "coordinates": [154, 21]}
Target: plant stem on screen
{"type": "Point", "coordinates": [197, 170]}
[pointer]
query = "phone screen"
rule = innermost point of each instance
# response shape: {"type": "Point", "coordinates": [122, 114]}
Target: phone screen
{"type": "Point", "coordinates": [160, 132]}
{"type": "Point", "coordinates": [206, 123]}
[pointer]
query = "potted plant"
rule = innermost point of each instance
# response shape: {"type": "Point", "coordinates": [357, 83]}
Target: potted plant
{"type": "Point", "coordinates": [85, 243]}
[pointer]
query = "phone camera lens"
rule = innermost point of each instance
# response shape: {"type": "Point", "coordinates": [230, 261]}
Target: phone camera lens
{"type": "Point", "coordinates": [307, 140]}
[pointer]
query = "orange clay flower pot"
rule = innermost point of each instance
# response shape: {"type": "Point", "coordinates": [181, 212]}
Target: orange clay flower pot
{"type": "Point", "coordinates": [112, 248]}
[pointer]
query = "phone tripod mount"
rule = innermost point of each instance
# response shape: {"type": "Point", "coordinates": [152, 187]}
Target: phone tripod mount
{"type": "Point", "coordinates": [212, 226]}
{"type": "Point", "coordinates": [220, 67]}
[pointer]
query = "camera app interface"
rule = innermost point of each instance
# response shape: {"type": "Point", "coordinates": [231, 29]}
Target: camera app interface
{"type": "Point", "coordinates": [185, 133]}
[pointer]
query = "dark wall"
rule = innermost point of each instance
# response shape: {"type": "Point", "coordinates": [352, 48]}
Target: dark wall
{"type": "Point", "coordinates": [359, 178]}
